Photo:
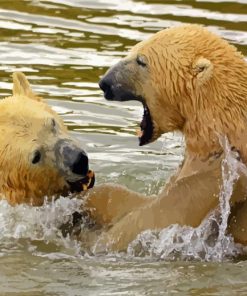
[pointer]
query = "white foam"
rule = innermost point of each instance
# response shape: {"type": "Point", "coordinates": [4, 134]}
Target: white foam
{"type": "Point", "coordinates": [37, 223]}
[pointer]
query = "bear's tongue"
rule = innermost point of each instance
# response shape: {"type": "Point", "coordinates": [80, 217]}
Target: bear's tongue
{"type": "Point", "coordinates": [146, 132]}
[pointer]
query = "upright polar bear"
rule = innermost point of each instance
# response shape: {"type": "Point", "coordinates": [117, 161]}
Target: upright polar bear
{"type": "Point", "coordinates": [189, 80]}
{"type": "Point", "coordinates": [38, 157]}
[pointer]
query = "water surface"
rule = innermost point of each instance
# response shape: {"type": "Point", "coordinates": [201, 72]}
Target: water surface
{"type": "Point", "coordinates": [64, 46]}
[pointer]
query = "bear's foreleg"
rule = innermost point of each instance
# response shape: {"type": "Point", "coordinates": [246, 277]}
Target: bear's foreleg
{"type": "Point", "coordinates": [188, 202]}
{"type": "Point", "coordinates": [108, 203]}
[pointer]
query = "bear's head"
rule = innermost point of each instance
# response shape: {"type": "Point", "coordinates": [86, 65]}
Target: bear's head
{"type": "Point", "coordinates": [38, 157]}
{"type": "Point", "coordinates": [187, 79]}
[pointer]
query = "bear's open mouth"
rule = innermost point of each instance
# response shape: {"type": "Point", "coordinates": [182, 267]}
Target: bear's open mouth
{"type": "Point", "coordinates": [147, 128]}
{"type": "Point", "coordinates": [116, 92]}
{"type": "Point", "coordinates": [82, 184]}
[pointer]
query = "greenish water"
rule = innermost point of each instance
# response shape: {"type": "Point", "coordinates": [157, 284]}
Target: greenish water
{"type": "Point", "coordinates": [64, 46]}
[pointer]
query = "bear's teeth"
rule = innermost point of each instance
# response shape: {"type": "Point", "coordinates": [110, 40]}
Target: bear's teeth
{"type": "Point", "coordinates": [139, 133]}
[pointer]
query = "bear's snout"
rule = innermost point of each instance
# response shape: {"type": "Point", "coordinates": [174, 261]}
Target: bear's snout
{"type": "Point", "coordinates": [115, 90]}
{"type": "Point", "coordinates": [115, 84]}
{"type": "Point", "coordinates": [71, 160]}
{"type": "Point", "coordinates": [107, 85]}
{"type": "Point", "coordinates": [76, 159]}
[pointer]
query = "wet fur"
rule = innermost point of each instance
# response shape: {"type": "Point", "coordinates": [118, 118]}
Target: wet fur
{"type": "Point", "coordinates": [196, 84]}
{"type": "Point", "coordinates": [26, 125]}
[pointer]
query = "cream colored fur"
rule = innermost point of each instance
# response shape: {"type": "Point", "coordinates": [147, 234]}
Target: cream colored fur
{"type": "Point", "coordinates": [195, 83]}
{"type": "Point", "coordinates": [26, 124]}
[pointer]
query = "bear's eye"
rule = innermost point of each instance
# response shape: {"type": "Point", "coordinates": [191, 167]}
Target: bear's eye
{"type": "Point", "coordinates": [36, 157]}
{"type": "Point", "coordinates": [53, 123]}
{"type": "Point", "coordinates": [140, 61]}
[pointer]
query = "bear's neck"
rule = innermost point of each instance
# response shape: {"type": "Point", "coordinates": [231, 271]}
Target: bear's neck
{"type": "Point", "coordinates": [204, 131]}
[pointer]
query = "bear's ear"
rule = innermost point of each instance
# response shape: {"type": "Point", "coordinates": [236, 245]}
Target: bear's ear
{"type": "Point", "coordinates": [21, 87]}
{"type": "Point", "coordinates": [203, 70]}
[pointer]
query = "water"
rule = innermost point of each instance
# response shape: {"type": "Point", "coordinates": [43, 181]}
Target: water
{"type": "Point", "coordinates": [64, 46]}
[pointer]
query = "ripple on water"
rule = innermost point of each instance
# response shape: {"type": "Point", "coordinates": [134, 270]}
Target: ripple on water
{"type": "Point", "coordinates": [64, 47]}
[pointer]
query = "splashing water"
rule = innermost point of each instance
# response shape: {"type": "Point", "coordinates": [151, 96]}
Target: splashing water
{"type": "Point", "coordinates": [231, 167]}
{"type": "Point", "coordinates": [208, 241]}
{"type": "Point", "coordinates": [38, 223]}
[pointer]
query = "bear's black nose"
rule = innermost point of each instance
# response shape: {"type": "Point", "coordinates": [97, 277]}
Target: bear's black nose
{"type": "Point", "coordinates": [104, 85]}
{"type": "Point", "coordinates": [73, 158]}
{"type": "Point", "coordinates": [107, 86]}
{"type": "Point", "coordinates": [80, 163]}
